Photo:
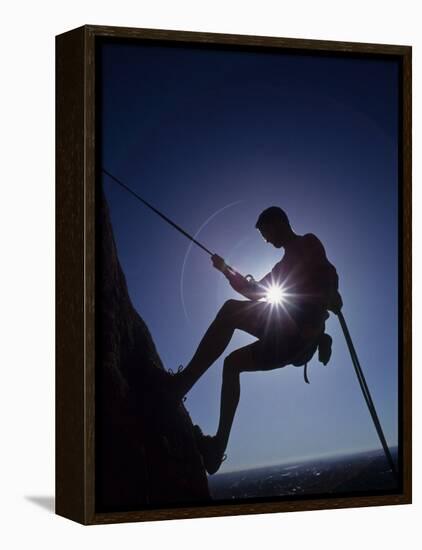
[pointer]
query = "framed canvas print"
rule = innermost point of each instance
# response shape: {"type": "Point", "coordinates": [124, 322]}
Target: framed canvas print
{"type": "Point", "coordinates": [233, 274]}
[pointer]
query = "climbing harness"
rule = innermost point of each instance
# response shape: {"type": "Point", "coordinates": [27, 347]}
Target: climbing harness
{"type": "Point", "coordinates": [323, 344]}
{"type": "Point", "coordinates": [307, 355]}
{"type": "Point", "coordinates": [305, 373]}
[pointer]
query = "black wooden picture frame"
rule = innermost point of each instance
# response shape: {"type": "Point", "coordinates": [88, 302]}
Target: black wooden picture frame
{"type": "Point", "coordinates": [78, 208]}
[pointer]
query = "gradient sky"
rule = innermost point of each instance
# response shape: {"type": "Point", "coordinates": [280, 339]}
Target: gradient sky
{"type": "Point", "coordinates": [203, 134]}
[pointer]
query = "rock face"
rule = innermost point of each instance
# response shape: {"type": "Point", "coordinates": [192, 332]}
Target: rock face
{"type": "Point", "coordinates": [145, 452]}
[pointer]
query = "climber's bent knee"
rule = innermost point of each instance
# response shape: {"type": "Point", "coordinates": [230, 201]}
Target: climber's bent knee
{"type": "Point", "coordinates": [238, 361]}
{"type": "Point", "coordinates": [228, 310]}
{"type": "Point", "coordinates": [231, 366]}
{"type": "Point", "coordinates": [241, 314]}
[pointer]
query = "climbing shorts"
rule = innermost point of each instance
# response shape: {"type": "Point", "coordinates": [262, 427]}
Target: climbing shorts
{"type": "Point", "coordinates": [278, 329]}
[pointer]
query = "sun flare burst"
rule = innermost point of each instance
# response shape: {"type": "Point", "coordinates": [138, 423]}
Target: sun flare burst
{"type": "Point", "coordinates": [275, 294]}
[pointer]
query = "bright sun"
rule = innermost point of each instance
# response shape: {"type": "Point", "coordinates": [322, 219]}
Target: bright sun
{"type": "Point", "coordinates": [275, 294]}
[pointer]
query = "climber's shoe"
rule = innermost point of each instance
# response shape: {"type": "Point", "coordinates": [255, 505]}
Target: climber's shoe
{"type": "Point", "coordinates": [174, 385]}
{"type": "Point", "coordinates": [208, 446]}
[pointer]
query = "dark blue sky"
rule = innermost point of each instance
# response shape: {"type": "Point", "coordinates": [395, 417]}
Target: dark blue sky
{"type": "Point", "coordinates": [196, 132]}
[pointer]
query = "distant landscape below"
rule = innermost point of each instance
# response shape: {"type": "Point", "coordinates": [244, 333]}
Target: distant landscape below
{"type": "Point", "coordinates": [359, 472]}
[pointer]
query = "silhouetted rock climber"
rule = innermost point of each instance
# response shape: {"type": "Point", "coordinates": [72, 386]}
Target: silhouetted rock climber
{"type": "Point", "coordinates": [288, 332]}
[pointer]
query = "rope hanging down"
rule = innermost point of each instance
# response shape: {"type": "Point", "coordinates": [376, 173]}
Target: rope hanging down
{"type": "Point", "coordinates": [353, 354]}
{"type": "Point", "coordinates": [366, 393]}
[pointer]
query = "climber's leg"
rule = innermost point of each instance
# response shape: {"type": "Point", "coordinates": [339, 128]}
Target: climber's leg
{"type": "Point", "coordinates": [246, 359]}
{"type": "Point", "coordinates": [237, 362]}
{"type": "Point", "coordinates": [234, 314]}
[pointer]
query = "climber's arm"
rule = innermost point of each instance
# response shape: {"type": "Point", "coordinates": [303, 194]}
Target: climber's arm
{"type": "Point", "coordinates": [248, 289]}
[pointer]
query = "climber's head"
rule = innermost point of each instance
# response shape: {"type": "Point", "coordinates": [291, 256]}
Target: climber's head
{"type": "Point", "coordinates": [274, 226]}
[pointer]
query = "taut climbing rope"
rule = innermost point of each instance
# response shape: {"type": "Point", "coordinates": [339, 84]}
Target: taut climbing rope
{"type": "Point", "coordinates": [366, 393]}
